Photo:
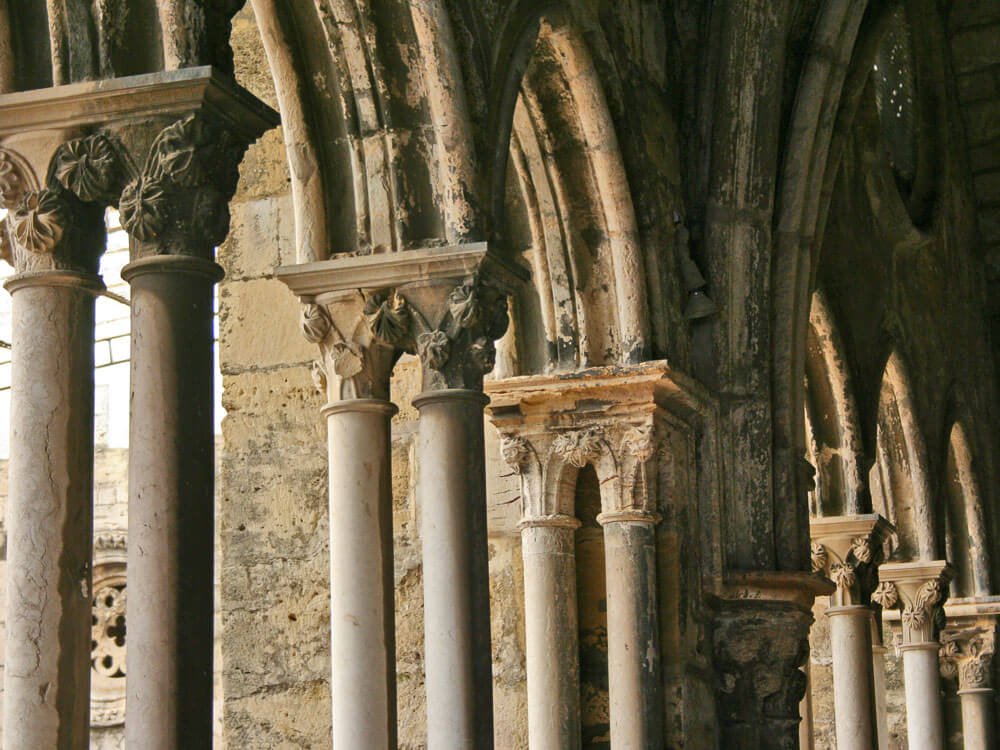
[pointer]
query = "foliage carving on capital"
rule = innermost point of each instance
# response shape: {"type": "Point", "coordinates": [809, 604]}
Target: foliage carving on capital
{"type": "Point", "coordinates": [918, 612]}
{"type": "Point", "coordinates": [90, 168]}
{"type": "Point", "coordinates": [515, 451]}
{"type": "Point", "coordinates": [818, 556]}
{"type": "Point", "coordinates": [886, 595]}
{"type": "Point", "coordinates": [639, 441]}
{"type": "Point", "coordinates": [968, 655]}
{"type": "Point", "coordinates": [180, 202]}
{"type": "Point", "coordinates": [12, 185]}
{"type": "Point", "coordinates": [580, 447]}
{"type": "Point", "coordinates": [434, 349]}
{"type": "Point", "coordinates": [389, 318]}
{"type": "Point", "coordinates": [315, 322]}
{"type": "Point", "coordinates": [39, 221]}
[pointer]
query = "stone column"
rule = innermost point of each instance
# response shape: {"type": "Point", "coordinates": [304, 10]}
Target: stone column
{"type": "Point", "coordinates": [919, 590]}
{"type": "Point", "coordinates": [968, 645]}
{"type": "Point", "coordinates": [54, 240]}
{"type": "Point", "coordinates": [456, 319]}
{"type": "Point", "coordinates": [49, 511]}
{"type": "Point", "coordinates": [848, 549]}
{"type": "Point", "coordinates": [354, 376]}
{"type": "Point", "coordinates": [176, 211]}
{"type": "Point", "coordinates": [548, 546]}
{"type": "Point", "coordinates": [633, 638]}
{"type": "Point", "coordinates": [878, 663]}
{"type": "Point", "coordinates": [761, 641]}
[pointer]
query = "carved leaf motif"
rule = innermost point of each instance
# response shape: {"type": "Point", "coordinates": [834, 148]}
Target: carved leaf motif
{"type": "Point", "coordinates": [639, 442]}
{"type": "Point", "coordinates": [886, 595]}
{"type": "Point", "coordinates": [318, 373]}
{"type": "Point", "coordinates": [948, 656]}
{"type": "Point", "coordinates": [143, 208]}
{"type": "Point", "coordinates": [515, 451]}
{"type": "Point", "coordinates": [843, 575]}
{"type": "Point", "coordinates": [862, 549]}
{"type": "Point", "coordinates": [975, 673]}
{"type": "Point", "coordinates": [819, 557]}
{"type": "Point", "coordinates": [580, 447]}
{"type": "Point", "coordinates": [928, 595]}
{"type": "Point", "coordinates": [483, 353]}
{"type": "Point", "coordinates": [182, 152]}
{"type": "Point", "coordinates": [38, 221]}
{"type": "Point", "coordinates": [347, 360]}
{"type": "Point", "coordinates": [10, 181]}
{"type": "Point", "coordinates": [434, 349]}
{"type": "Point", "coordinates": [388, 318]}
{"type": "Point", "coordinates": [6, 250]}
{"type": "Point", "coordinates": [89, 168]}
{"type": "Point", "coordinates": [315, 322]}
{"type": "Point", "coordinates": [463, 303]}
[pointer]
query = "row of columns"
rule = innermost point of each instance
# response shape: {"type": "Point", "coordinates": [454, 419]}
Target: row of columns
{"type": "Point", "coordinates": [87, 139]}
{"type": "Point", "coordinates": [849, 550]}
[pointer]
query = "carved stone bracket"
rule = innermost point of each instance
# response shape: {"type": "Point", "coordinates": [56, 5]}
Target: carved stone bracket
{"type": "Point", "coordinates": [919, 590]}
{"type": "Point", "coordinates": [967, 648]}
{"type": "Point", "coordinates": [848, 551]}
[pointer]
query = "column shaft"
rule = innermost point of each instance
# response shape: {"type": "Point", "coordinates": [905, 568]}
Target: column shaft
{"type": "Point", "coordinates": [362, 630]}
{"type": "Point", "coordinates": [171, 504]}
{"type": "Point", "coordinates": [978, 718]}
{"type": "Point", "coordinates": [853, 680]}
{"type": "Point", "coordinates": [633, 638]}
{"type": "Point", "coordinates": [451, 494]}
{"type": "Point", "coordinates": [879, 682]}
{"type": "Point", "coordinates": [924, 718]}
{"type": "Point", "coordinates": [50, 512]}
{"type": "Point", "coordinates": [553, 660]}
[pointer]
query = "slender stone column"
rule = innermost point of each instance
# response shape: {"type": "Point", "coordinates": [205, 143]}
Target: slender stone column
{"type": "Point", "coordinates": [353, 374]}
{"type": "Point", "coordinates": [171, 502]}
{"type": "Point", "coordinates": [805, 711]}
{"type": "Point", "coordinates": [633, 638]}
{"type": "Point", "coordinates": [919, 590]}
{"type": "Point", "coordinates": [847, 550]}
{"type": "Point", "coordinates": [967, 652]}
{"type": "Point", "coordinates": [451, 494]}
{"type": "Point", "coordinates": [50, 511]}
{"type": "Point", "coordinates": [548, 545]}
{"type": "Point", "coordinates": [878, 669]}
{"type": "Point", "coordinates": [362, 644]}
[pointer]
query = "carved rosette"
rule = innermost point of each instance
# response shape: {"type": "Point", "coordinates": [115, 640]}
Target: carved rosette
{"type": "Point", "coordinates": [39, 221]}
{"type": "Point", "coordinates": [818, 556]}
{"type": "Point", "coordinates": [886, 595]}
{"type": "Point", "coordinates": [108, 630]}
{"type": "Point", "coordinates": [918, 591]}
{"type": "Point", "coordinates": [179, 204]}
{"type": "Point", "coordinates": [90, 168]}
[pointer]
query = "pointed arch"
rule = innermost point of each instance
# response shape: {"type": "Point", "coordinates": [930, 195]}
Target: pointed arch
{"type": "Point", "coordinates": [967, 537]}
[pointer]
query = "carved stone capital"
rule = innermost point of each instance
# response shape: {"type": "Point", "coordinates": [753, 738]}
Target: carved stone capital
{"type": "Point", "coordinates": [848, 551]}
{"type": "Point", "coordinates": [967, 648]}
{"type": "Point", "coordinates": [918, 590]}
{"type": "Point", "coordinates": [353, 361]}
{"type": "Point", "coordinates": [760, 647]}
{"type": "Point", "coordinates": [179, 203]}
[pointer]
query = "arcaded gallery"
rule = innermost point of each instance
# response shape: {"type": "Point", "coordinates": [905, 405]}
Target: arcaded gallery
{"type": "Point", "coordinates": [499, 374]}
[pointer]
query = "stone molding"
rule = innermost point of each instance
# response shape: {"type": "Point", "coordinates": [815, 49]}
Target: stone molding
{"type": "Point", "coordinates": [445, 305]}
{"type": "Point", "coordinates": [967, 648]}
{"type": "Point", "coordinates": [848, 551]}
{"type": "Point", "coordinates": [918, 590]}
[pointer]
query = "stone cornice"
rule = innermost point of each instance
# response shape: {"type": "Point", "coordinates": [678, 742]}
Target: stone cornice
{"type": "Point", "coordinates": [327, 280]}
{"type": "Point", "coordinates": [131, 98]}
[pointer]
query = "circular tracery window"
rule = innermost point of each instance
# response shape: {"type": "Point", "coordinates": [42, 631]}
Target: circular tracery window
{"type": "Point", "coordinates": [107, 633]}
